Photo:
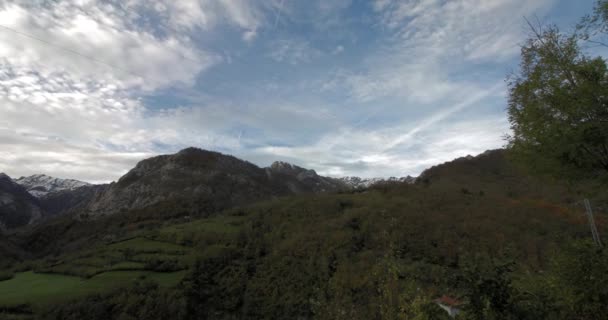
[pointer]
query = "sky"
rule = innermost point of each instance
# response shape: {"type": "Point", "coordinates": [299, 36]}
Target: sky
{"type": "Point", "coordinates": [369, 88]}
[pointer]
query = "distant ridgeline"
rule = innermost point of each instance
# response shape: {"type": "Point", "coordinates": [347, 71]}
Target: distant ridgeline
{"type": "Point", "coordinates": [213, 180]}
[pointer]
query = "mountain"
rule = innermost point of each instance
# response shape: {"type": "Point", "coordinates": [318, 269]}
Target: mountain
{"type": "Point", "coordinates": [363, 183]}
{"type": "Point", "coordinates": [39, 185]}
{"type": "Point", "coordinates": [70, 200]}
{"type": "Point", "coordinates": [300, 180]}
{"type": "Point", "coordinates": [17, 206]}
{"type": "Point", "coordinates": [209, 181]}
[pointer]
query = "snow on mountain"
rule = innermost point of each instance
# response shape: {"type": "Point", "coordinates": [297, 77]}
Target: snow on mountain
{"type": "Point", "coordinates": [362, 183]}
{"type": "Point", "coordinates": [40, 185]}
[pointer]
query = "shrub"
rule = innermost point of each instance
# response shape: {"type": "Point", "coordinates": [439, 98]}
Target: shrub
{"type": "Point", "coordinates": [6, 275]}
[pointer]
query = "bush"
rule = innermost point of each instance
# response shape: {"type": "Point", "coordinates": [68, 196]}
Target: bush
{"type": "Point", "coordinates": [6, 275]}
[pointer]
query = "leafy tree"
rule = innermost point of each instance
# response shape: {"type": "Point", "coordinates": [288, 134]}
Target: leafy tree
{"type": "Point", "coordinates": [579, 281]}
{"type": "Point", "coordinates": [487, 287]}
{"type": "Point", "coordinates": [558, 105]}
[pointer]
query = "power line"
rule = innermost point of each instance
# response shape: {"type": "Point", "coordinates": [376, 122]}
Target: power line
{"type": "Point", "coordinates": [65, 49]}
{"type": "Point", "coordinates": [278, 14]}
{"type": "Point", "coordinates": [130, 10]}
{"type": "Point", "coordinates": [126, 9]}
{"type": "Point", "coordinates": [82, 55]}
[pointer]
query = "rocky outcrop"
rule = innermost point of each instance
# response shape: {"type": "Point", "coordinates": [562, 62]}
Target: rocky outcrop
{"type": "Point", "coordinates": [301, 180]}
{"type": "Point", "coordinates": [192, 174]}
{"type": "Point", "coordinates": [73, 200]}
{"type": "Point", "coordinates": [213, 180]}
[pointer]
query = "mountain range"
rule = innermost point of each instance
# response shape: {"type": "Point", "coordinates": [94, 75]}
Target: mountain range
{"type": "Point", "coordinates": [40, 185]}
{"type": "Point", "coordinates": [198, 181]}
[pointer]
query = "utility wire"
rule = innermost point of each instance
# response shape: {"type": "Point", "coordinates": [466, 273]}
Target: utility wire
{"type": "Point", "coordinates": [133, 37]}
{"type": "Point", "coordinates": [126, 9]}
{"type": "Point", "coordinates": [278, 14]}
{"type": "Point", "coordinates": [48, 43]}
{"type": "Point", "coordinates": [98, 61]}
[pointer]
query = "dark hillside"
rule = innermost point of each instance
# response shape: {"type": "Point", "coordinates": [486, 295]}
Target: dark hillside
{"type": "Point", "coordinates": [17, 207]}
{"type": "Point", "coordinates": [492, 172]}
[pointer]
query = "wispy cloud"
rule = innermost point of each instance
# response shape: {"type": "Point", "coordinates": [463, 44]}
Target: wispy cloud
{"type": "Point", "coordinates": [430, 40]}
{"type": "Point", "coordinates": [293, 51]}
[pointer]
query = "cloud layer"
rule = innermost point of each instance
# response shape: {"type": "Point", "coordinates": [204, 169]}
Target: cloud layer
{"type": "Point", "coordinates": [381, 88]}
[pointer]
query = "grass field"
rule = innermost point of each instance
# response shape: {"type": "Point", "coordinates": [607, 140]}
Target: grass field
{"type": "Point", "coordinates": [106, 267]}
{"type": "Point", "coordinates": [40, 290]}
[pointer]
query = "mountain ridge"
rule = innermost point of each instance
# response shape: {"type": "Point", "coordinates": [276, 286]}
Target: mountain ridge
{"type": "Point", "coordinates": [40, 185]}
{"type": "Point", "coordinates": [213, 180]}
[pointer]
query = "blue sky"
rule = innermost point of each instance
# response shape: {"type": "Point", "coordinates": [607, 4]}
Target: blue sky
{"type": "Point", "coordinates": [345, 87]}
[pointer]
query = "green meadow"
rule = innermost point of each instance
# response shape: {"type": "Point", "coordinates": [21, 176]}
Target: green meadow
{"type": "Point", "coordinates": [42, 289]}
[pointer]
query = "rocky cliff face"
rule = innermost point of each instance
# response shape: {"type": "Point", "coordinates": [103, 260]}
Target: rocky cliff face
{"type": "Point", "coordinates": [17, 206]}
{"type": "Point", "coordinates": [300, 180]}
{"type": "Point", "coordinates": [192, 174]}
{"type": "Point", "coordinates": [215, 180]}
{"type": "Point", "coordinates": [72, 200]}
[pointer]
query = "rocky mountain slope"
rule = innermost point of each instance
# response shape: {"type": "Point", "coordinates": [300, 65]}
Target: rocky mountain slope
{"type": "Point", "coordinates": [71, 200]}
{"type": "Point", "coordinates": [213, 180]}
{"type": "Point", "coordinates": [301, 180]}
{"type": "Point", "coordinates": [40, 185]}
{"type": "Point", "coordinates": [190, 178]}
{"type": "Point", "coordinates": [17, 206]}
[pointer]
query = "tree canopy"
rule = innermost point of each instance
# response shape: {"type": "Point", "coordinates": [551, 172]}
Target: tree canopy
{"type": "Point", "coordinates": [558, 103]}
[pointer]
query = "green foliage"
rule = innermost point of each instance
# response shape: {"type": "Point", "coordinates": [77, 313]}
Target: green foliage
{"type": "Point", "coordinates": [579, 280]}
{"type": "Point", "coordinates": [486, 285]}
{"type": "Point", "coordinates": [143, 300]}
{"type": "Point", "coordinates": [557, 106]}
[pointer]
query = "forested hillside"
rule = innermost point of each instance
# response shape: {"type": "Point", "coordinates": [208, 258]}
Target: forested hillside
{"type": "Point", "coordinates": [383, 253]}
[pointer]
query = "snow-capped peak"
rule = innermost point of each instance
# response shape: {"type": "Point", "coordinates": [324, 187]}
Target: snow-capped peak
{"type": "Point", "coordinates": [362, 183]}
{"type": "Point", "coordinates": [40, 185]}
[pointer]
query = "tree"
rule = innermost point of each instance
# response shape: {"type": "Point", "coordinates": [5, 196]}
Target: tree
{"type": "Point", "coordinates": [558, 105]}
{"type": "Point", "coordinates": [486, 284]}
{"type": "Point", "coordinates": [579, 281]}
